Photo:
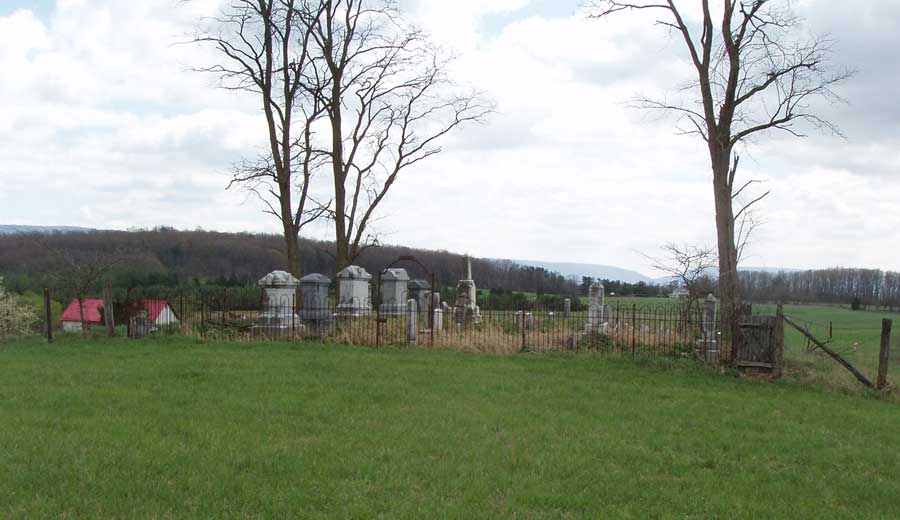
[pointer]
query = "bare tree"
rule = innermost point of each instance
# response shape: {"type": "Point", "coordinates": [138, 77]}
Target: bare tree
{"type": "Point", "coordinates": [263, 48]}
{"type": "Point", "coordinates": [690, 267]}
{"type": "Point", "coordinates": [753, 75]}
{"type": "Point", "coordinates": [80, 273]}
{"type": "Point", "coordinates": [388, 102]}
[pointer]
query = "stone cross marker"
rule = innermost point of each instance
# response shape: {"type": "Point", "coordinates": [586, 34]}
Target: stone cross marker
{"type": "Point", "coordinates": [466, 308]}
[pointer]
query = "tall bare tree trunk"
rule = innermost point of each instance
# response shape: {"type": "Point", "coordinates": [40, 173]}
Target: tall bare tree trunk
{"type": "Point", "coordinates": [293, 252]}
{"type": "Point", "coordinates": [342, 240]}
{"type": "Point", "coordinates": [729, 288]}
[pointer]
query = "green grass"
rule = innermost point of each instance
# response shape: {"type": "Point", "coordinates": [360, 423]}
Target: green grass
{"type": "Point", "coordinates": [856, 336]}
{"type": "Point", "coordinates": [175, 427]}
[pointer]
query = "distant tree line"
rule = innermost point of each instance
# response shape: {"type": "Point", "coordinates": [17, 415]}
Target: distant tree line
{"type": "Point", "coordinates": [620, 288]}
{"type": "Point", "coordinates": [157, 261]}
{"type": "Point", "coordinates": [870, 287]}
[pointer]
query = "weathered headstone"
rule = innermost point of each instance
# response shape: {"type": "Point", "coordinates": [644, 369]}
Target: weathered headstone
{"type": "Point", "coordinates": [438, 320]}
{"type": "Point", "coordinates": [314, 294]}
{"type": "Point", "coordinates": [567, 308]}
{"type": "Point", "coordinates": [353, 287]}
{"type": "Point", "coordinates": [412, 315]}
{"type": "Point", "coordinates": [524, 319]}
{"type": "Point", "coordinates": [709, 324]}
{"type": "Point", "coordinates": [595, 309]}
{"type": "Point", "coordinates": [394, 291]}
{"type": "Point", "coordinates": [140, 325]}
{"type": "Point", "coordinates": [435, 300]}
{"type": "Point", "coordinates": [420, 290]}
{"type": "Point", "coordinates": [280, 300]}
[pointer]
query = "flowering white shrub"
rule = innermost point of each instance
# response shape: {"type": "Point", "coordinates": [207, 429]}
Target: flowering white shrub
{"type": "Point", "coordinates": [14, 318]}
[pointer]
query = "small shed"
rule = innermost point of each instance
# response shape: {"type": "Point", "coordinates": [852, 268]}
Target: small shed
{"type": "Point", "coordinates": [71, 317]}
{"type": "Point", "coordinates": [159, 312]}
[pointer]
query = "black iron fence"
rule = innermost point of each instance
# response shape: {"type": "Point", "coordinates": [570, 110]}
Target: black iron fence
{"type": "Point", "coordinates": [635, 330]}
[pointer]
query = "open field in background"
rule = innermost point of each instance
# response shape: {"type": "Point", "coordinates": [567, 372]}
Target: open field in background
{"type": "Point", "coordinates": [856, 336]}
{"type": "Point", "coordinates": [175, 427]}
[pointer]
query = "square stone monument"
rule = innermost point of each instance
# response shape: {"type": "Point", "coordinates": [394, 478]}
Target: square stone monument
{"type": "Point", "coordinates": [353, 286]}
{"type": "Point", "coordinates": [394, 291]}
{"type": "Point", "coordinates": [314, 293]}
{"type": "Point", "coordinates": [280, 304]}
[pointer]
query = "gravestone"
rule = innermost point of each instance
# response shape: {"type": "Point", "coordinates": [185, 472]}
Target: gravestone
{"type": "Point", "coordinates": [435, 300]}
{"type": "Point", "coordinates": [595, 323]}
{"type": "Point", "coordinates": [139, 325]}
{"type": "Point", "coordinates": [420, 290]}
{"type": "Point", "coordinates": [394, 291]}
{"type": "Point", "coordinates": [438, 320]}
{"type": "Point", "coordinates": [353, 286]}
{"type": "Point", "coordinates": [524, 319]}
{"type": "Point", "coordinates": [314, 293]}
{"type": "Point", "coordinates": [709, 340]}
{"type": "Point", "coordinates": [466, 307]}
{"type": "Point", "coordinates": [412, 315]}
{"type": "Point", "coordinates": [280, 300]}
{"type": "Point", "coordinates": [567, 307]}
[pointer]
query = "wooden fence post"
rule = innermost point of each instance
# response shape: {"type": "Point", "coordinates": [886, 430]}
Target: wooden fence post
{"type": "Point", "coordinates": [48, 316]}
{"type": "Point", "coordinates": [885, 353]}
{"type": "Point", "coordinates": [778, 361]}
{"type": "Point", "coordinates": [108, 311]}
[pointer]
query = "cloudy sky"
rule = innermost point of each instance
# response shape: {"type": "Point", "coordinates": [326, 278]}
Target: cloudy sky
{"type": "Point", "coordinates": [102, 125]}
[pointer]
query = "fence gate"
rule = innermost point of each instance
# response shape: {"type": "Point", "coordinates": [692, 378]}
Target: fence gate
{"type": "Point", "coordinates": [761, 344]}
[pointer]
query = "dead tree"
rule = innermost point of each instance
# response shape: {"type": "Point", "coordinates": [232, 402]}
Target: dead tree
{"type": "Point", "coordinates": [388, 102]}
{"type": "Point", "coordinates": [690, 267]}
{"type": "Point", "coordinates": [263, 49]}
{"type": "Point", "coordinates": [754, 73]}
{"type": "Point", "coordinates": [80, 273]}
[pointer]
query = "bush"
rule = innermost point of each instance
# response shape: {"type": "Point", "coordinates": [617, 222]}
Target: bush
{"type": "Point", "coordinates": [15, 319]}
{"type": "Point", "coordinates": [856, 304]}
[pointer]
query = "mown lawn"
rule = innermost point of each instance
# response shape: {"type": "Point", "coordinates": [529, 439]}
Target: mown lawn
{"type": "Point", "coordinates": [175, 427]}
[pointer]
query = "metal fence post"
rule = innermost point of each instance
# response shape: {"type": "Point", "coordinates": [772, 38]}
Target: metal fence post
{"type": "Point", "coordinates": [523, 327]}
{"type": "Point", "coordinates": [633, 327]}
{"type": "Point", "coordinates": [202, 316]}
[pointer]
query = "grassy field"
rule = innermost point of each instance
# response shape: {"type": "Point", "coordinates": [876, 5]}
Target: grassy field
{"type": "Point", "coordinates": [175, 427]}
{"type": "Point", "coordinates": [856, 335]}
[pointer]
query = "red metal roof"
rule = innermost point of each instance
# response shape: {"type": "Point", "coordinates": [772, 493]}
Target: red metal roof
{"type": "Point", "coordinates": [91, 311]}
{"type": "Point", "coordinates": [92, 308]}
{"type": "Point", "coordinates": [154, 308]}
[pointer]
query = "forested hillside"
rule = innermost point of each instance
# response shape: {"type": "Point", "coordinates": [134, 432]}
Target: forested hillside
{"type": "Point", "coordinates": [167, 257]}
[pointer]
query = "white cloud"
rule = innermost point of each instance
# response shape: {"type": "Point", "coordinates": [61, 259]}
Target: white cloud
{"type": "Point", "coordinates": [104, 126]}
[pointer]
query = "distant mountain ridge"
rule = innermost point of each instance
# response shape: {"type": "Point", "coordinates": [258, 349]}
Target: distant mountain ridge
{"type": "Point", "coordinates": [566, 269]}
{"type": "Point", "coordinates": [9, 229]}
{"type": "Point", "coordinates": [610, 272]}
{"type": "Point", "coordinates": [597, 271]}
